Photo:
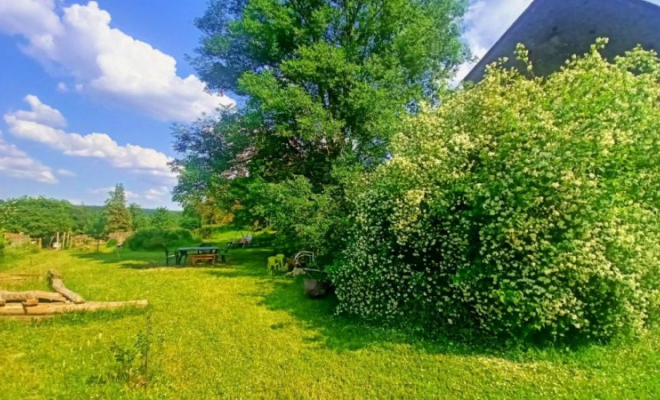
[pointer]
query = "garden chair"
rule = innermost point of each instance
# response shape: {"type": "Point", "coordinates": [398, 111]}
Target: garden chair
{"type": "Point", "coordinates": [224, 252]}
{"type": "Point", "coordinates": [281, 262]}
{"type": "Point", "coordinates": [272, 263]}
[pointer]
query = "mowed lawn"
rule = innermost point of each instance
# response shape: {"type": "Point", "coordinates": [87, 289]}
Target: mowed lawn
{"type": "Point", "coordinates": [234, 331]}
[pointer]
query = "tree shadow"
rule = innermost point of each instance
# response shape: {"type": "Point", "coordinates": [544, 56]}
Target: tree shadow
{"type": "Point", "coordinates": [341, 333]}
{"type": "Point", "coordinates": [143, 260]}
{"type": "Point", "coordinates": [345, 334]}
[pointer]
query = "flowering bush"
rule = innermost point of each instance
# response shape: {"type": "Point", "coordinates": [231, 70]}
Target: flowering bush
{"type": "Point", "coordinates": [522, 207]}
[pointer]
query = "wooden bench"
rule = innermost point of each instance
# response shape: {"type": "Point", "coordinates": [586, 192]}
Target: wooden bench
{"type": "Point", "coordinates": [195, 258]}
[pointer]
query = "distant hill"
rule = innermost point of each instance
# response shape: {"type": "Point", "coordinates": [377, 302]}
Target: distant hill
{"type": "Point", "coordinates": [147, 211]}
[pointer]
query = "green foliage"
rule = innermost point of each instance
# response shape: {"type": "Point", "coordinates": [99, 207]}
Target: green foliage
{"type": "Point", "coordinates": [208, 231]}
{"type": "Point", "coordinates": [84, 217]}
{"type": "Point", "coordinates": [6, 210]}
{"type": "Point", "coordinates": [327, 84]}
{"type": "Point", "coordinates": [112, 243]}
{"type": "Point", "coordinates": [158, 239]}
{"type": "Point", "coordinates": [522, 207]}
{"type": "Point", "coordinates": [306, 220]}
{"type": "Point", "coordinates": [117, 216]}
{"type": "Point", "coordinates": [163, 219]}
{"type": "Point", "coordinates": [139, 219]}
{"type": "Point", "coordinates": [39, 216]}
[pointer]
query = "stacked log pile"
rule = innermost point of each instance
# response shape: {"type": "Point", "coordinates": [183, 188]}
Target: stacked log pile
{"type": "Point", "coordinates": [62, 300]}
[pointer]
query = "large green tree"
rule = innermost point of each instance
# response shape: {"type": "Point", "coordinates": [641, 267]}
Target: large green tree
{"type": "Point", "coordinates": [117, 216]}
{"type": "Point", "coordinates": [326, 84]}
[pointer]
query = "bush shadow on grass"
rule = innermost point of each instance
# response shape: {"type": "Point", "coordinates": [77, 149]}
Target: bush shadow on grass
{"type": "Point", "coordinates": [341, 333]}
{"type": "Point", "coordinates": [146, 260]}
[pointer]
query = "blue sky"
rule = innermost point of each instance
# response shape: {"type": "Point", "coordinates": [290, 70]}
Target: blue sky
{"type": "Point", "coordinates": [124, 126]}
{"type": "Point", "coordinates": [89, 91]}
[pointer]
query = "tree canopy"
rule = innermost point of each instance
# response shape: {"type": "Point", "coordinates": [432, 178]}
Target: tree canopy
{"type": "Point", "coordinates": [326, 84]}
{"type": "Point", "coordinates": [39, 216]}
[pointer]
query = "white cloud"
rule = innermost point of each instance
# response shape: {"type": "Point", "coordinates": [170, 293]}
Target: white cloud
{"type": "Point", "coordinates": [106, 62]}
{"type": "Point", "coordinates": [16, 164]}
{"type": "Point", "coordinates": [159, 193]}
{"type": "Point", "coordinates": [65, 172]}
{"type": "Point", "coordinates": [41, 113]}
{"type": "Point", "coordinates": [32, 125]}
{"type": "Point", "coordinates": [62, 87]}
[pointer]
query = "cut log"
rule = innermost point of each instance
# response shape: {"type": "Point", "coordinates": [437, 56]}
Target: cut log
{"type": "Point", "coordinates": [45, 309]}
{"type": "Point", "coordinates": [58, 286]}
{"type": "Point", "coordinates": [32, 294]}
{"type": "Point", "coordinates": [57, 308]}
{"type": "Point", "coordinates": [30, 302]}
{"type": "Point", "coordinates": [12, 309]}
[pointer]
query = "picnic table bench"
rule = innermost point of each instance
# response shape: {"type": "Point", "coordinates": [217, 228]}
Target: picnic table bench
{"type": "Point", "coordinates": [195, 258]}
{"type": "Point", "coordinates": [196, 254]}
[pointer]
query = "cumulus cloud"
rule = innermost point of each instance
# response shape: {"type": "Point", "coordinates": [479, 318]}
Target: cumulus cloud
{"type": "Point", "coordinates": [39, 125]}
{"type": "Point", "coordinates": [158, 193]}
{"type": "Point", "coordinates": [65, 172]}
{"type": "Point", "coordinates": [41, 113]}
{"type": "Point", "coordinates": [106, 62]}
{"type": "Point", "coordinates": [17, 164]}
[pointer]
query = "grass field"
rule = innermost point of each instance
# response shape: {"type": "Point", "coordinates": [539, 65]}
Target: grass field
{"type": "Point", "coordinates": [234, 331]}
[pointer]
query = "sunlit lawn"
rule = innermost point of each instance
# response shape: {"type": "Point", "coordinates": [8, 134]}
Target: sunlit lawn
{"type": "Point", "coordinates": [234, 331]}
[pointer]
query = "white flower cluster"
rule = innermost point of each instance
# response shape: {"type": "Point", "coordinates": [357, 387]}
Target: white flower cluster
{"type": "Point", "coordinates": [521, 207]}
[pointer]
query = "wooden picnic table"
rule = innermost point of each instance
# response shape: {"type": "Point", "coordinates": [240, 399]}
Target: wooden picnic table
{"type": "Point", "coordinates": [183, 252]}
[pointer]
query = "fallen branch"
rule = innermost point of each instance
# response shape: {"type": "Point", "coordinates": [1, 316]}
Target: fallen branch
{"type": "Point", "coordinates": [58, 286]}
{"type": "Point", "coordinates": [57, 308]}
{"type": "Point", "coordinates": [10, 297]}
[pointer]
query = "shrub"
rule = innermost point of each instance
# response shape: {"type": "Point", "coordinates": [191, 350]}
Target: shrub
{"type": "Point", "coordinates": [207, 231]}
{"type": "Point", "coordinates": [522, 207]}
{"type": "Point", "coordinates": [302, 218]}
{"type": "Point", "coordinates": [158, 239]}
{"type": "Point", "coordinates": [189, 223]}
{"type": "Point", "coordinates": [112, 243]}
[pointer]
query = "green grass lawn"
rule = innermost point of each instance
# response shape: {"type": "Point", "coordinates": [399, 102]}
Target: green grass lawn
{"type": "Point", "coordinates": [234, 331]}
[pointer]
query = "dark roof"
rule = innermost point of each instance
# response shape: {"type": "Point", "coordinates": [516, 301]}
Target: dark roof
{"type": "Point", "coordinates": [554, 30]}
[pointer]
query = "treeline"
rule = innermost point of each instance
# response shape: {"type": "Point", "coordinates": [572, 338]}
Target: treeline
{"type": "Point", "coordinates": [41, 217]}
